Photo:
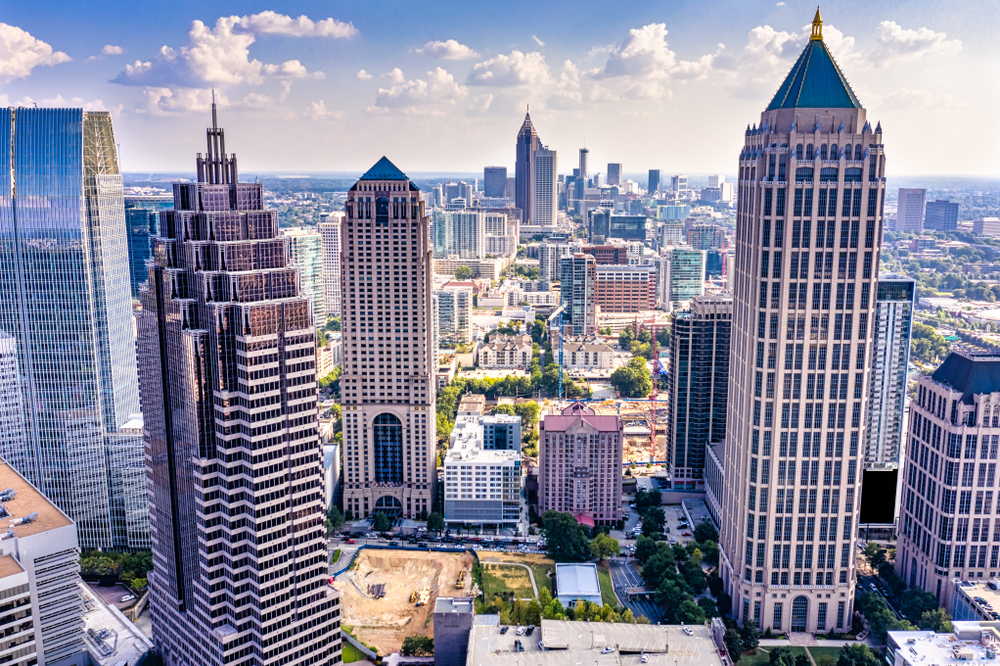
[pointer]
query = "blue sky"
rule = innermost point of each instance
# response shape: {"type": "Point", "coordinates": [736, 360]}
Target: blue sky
{"type": "Point", "coordinates": [443, 86]}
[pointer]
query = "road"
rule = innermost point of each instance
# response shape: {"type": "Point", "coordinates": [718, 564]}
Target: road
{"type": "Point", "coordinates": [624, 575]}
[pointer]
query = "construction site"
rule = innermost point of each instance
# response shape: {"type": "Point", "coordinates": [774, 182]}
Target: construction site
{"type": "Point", "coordinates": [388, 595]}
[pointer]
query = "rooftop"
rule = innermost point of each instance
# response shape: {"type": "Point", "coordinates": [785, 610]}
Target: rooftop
{"type": "Point", "coordinates": [577, 580]}
{"type": "Point", "coordinates": [27, 500]}
{"type": "Point", "coordinates": [454, 605]}
{"type": "Point", "coordinates": [576, 413]}
{"type": "Point", "coordinates": [970, 642]}
{"type": "Point", "coordinates": [971, 373]}
{"type": "Point", "coordinates": [384, 170]}
{"type": "Point", "coordinates": [9, 566]}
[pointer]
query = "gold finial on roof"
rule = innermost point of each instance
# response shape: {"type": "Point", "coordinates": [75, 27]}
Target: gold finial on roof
{"type": "Point", "coordinates": [817, 32]}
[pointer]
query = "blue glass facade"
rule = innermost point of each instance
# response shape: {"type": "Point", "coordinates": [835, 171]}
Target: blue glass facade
{"type": "Point", "coordinates": [142, 222]}
{"type": "Point", "coordinates": [64, 299]}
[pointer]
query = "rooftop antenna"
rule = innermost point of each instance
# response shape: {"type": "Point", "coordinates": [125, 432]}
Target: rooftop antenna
{"type": "Point", "coordinates": [215, 123]}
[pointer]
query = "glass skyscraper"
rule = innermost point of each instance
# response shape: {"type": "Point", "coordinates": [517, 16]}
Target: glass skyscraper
{"type": "Point", "coordinates": [142, 222]}
{"type": "Point", "coordinates": [65, 302]}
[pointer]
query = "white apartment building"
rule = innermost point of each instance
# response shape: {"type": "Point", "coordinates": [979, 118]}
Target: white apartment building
{"type": "Point", "coordinates": [453, 314]}
{"type": "Point", "coordinates": [506, 352]}
{"type": "Point", "coordinates": [545, 193]}
{"type": "Point", "coordinates": [583, 356]}
{"type": "Point", "coordinates": [330, 233]}
{"type": "Point", "coordinates": [305, 248]}
{"type": "Point", "coordinates": [546, 299]}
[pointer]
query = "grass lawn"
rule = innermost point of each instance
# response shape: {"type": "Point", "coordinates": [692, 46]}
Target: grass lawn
{"type": "Point", "coordinates": [607, 587]}
{"type": "Point", "coordinates": [351, 654]}
{"type": "Point", "coordinates": [335, 556]}
{"type": "Point", "coordinates": [507, 578]}
{"type": "Point", "coordinates": [762, 658]}
{"type": "Point", "coordinates": [542, 579]}
{"type": "Point", "coordinates": [825, 656]}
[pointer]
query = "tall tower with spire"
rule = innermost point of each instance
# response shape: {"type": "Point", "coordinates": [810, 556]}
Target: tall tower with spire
{"type": "Point", "coordinates": [809, 224]}
{"type": "Point", "coordinates": [527, 143]}
{"type": "Point", "coordinates": [227, 360]}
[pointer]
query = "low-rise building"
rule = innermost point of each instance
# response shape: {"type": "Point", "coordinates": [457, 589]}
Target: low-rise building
{"type": "Point", "coordinates": [969, 642]}
{"type": "Point", "coordinates": [453, 620]}
{"type": "Point", "coordinates": [506, 352]}
{"type": "Point", "coordinates": [986, 226]}
{"type": "Point", "coordinates": [978, 601]}
{"type": "Point", "coordinates": [501, 432]}
{"type": "Point", "coordinates": [585, 356]}
{"type": "Point", "coordinates": [577, 582]}
{"type": "Point", "coordinates": [536, 299]}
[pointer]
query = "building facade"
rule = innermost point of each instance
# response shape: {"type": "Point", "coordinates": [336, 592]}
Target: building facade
{"type": "Point", "coordinates": [614, 173]}
{"type": "Point", "coordinates": [453, 314]}
{"type": "Point", "coordinates": [910, 209]}
{"type": "Point", "coordinates": [653, 184]}
{"type": "Point", "coordinates": [227, 353]}
{"type": "Point", "coordinates": [625, 288]}
{"type": "Point", "coordinates": [142, 222]}
{"type": "Point", "coordinates": [706, 237]}
{"type": "Point", "coordinates": [941, 215]}
{"type": "Point", "coordinates": [685, 274]}
{"type": "Point", "coordinates": [65, 299]}
{"type": "Point", "coordinates": [524, 169]}
{"type": "Point", "coordinates": [512, 352]}
{"type": "Point", "coordinates": [801, 350]}
{"type": "Point", "coordinates": [698, 387]}
{"type": "Point", "coordinates": [578, 288]}
{"type": "Point", "coordinates": [607, 255]}
{"type": "Point", "coordinates": [460, 233]}
{"type": "Point", "coordinates": [580, 465]}
{"type": "Point", "coordinates": [329, 230]}
{"type": "Point", "coordinates": [305, 248]}
{"type": "Point", "coordinates": [627, 227]}
{"type": "Point", "coordinates": [495, 182]}
{"type": "Point", "coordinates": [587, 356]}
{"type": "Point", "coordinates": [389, 436]}
{"type": "Point", "coordinates": [545, 187]}
{"type": "Point", "coordinates": [550, 256]}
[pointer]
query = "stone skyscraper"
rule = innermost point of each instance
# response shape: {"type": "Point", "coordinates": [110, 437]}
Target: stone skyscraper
{"type": "Point", "coordinates": [524, 169]}
{"type": "Point", "coordinates": [388, 384]}
{"type": "Point", "coordinates": [811, 179]}
{"type": "Point", "coordinates": [227, 355]}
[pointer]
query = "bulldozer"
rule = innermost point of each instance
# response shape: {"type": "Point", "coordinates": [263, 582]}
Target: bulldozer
{"type": "Point", "coordinates": [460, 583]}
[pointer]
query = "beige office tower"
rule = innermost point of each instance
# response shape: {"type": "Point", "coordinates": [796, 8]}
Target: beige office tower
{"type": "Point", "coordinates": [386, 317]}
{"type": "Point", "coordinates": [811, 180]}
{"type": "Point", "coordinates": [330, 232]}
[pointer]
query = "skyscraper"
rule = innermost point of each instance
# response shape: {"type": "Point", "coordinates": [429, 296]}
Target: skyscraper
{"type": "Point", "coordinates": [545, 188]}
{"type": "Point", "coordinates": [654, 181]}
{"type": "Point", "coordinates": [142, 222]}
{"type": "Point", "coordinates": [305, 249]}
{"type": "Point", "coordinates": [578, 284]}
{"type": "Point", "coordinates": [66, 302]}
{"type": "Point", "coordinates": [679, 185]}
{"type": "Point", "coordinates": [388, 382]}
{"type": "Point", "coordinates": [941, 215]}
{"type": "Point", "coordinates": [910, 209]}
{"type": "Point", "coordinates": [227, 353]}
{"type": "Point", "coordinates": [495, 182]}
{"type": "Point", "coordinates": [460, 233]}
{"type": "Point", "coordinates": [808, 235]}
{"type": "Point", "coordinates": [584, 165]}
{"type": "Point", "coordinates": [614, 173]}
{"type": "Point", "coordinates": [698, 386]}
{"type": "Point", "coordinates": [524, 171]}
{"type": "Point", "coordinates": [329, 230]}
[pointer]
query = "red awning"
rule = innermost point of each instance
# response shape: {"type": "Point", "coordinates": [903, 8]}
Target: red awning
{"type": "Point", "coordinates": [585, 519]}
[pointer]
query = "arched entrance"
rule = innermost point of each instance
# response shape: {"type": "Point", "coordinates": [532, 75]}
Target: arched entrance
{"type": "Point", "coordinates": [387, 436]}
{"type": "Point", "coordinates": [800, 614]}
{"type": "Point", "coordinates": [388, 505]}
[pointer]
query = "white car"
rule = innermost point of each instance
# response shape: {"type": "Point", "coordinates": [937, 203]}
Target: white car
{"type": "Point", "coordinates": [644, 659]}
{"type": "Point", "coordinates": [689, 631]}
{"type": "Point", "coordinates": [607, 650]}
{"type": "Point", "coordinates": [127, 597]}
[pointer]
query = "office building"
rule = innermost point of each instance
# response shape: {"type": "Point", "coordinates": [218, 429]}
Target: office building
{"type": "Point", "coordinates": [679, 185]}
{"type": "Point", "coordinates": [460, 233]}
{"type": "Point", "coordinates": [65, 300]}
{"type": "Point", "coordinates": [607, 255]}
{"type": "Point", "coordinates": [43, 606]}
{"type": "Point", "coordinates": [627, 227]}
{"type": "Point", "coordinates": [716, 264]}
{"type": "Point", "coordinates": [545, 188]}
{"type": "Point", "coordinates": [579, 298]}
{"type": "Point", "coordinates": [329, 231]}
{"type": "Point", "coordinates": [12, 420]}
{"type": "Point", "coordinates": [453, 314]}
{"type": "Point", "coordinates": [941, 215]}
{"type": "Point", "coordinates": [142, 222]}
{"type": "Point", "coordinates": [501, 351]}
{"type": "Point", "coordinates": [910, 209]}
{"type": "Point", "coordinates": [584, 165]}
{"type": "Point", "coordinates": [654, 181]}
{"type": "Point", "coordinates": [945, 523]}
{"type": "Point", "coordinates": [579, 465]}
{"type": "Point", "coordinates": [887, 396]}
{"type": "Point", "coordinates": [495, 182]}
{"type": "Point", "coordinates": [524, 169]}
{"type": "Point", "coordinates": [222, 307]}
{"type": "Point", "coordinates": [698, 387]}
{"type": "Point", "coordinates": [801, 352]}
{"type": "Point", "coordinates": [389, 436]}
{"type": "Point", "coordinates": [625, 288]}
{"type": "Point", "coordinates": [685, 275]}
{"type": "Point", "coordinates": [305, 248]}
{"type": "Point", "coordinates": [550, 255]}
{"type": "Point", "coordinates": [706, 237]}
{"type": "Point", "coordinates": [614, 173]}
{"type": "Point", "coordinates": [728, 193]}
{"type": "Point", "coordinates": [986, 226]}
{"type": "Point", "coordinates": [716, 180]}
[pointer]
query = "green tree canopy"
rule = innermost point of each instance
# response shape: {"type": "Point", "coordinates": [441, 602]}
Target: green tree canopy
{"type": "Point", "coordinates": [463, 273]}
{"type": "Point", "coordinates": [705, 531]}
{"type": "Point", "coordinates": [632, 380]}
{"type": "Point", "coordinates": [435, 522]}
{"type": "Point", "coordinates": [566, 538]}
{"type": "Point", "coordinates": [604, 546]}
{"type": "Point", "coordinates": [418, 646]}
{"type": "Point", "coordinates": [382, 523]}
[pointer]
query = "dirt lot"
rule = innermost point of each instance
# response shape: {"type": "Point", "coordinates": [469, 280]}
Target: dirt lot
{"type": "Point", "coordinates": [384, 623]}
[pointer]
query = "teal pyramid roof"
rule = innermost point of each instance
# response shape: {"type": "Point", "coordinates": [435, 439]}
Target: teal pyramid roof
{"type": "Point", "coordinates": [384, 170]}
{"type": "Point", "coordinates": [815, 82]}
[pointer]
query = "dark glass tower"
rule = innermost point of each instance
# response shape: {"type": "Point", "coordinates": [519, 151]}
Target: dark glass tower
{"type": "Point", "coordinates": [524, 172]}
{"type": "Point", "coordinates": [227, 357]}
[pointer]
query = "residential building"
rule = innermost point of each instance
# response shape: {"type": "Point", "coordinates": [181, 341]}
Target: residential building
{"type": "Point", "coordinates": [947, 480]}
{"type": "Point", "coordinates": [625, 288]}
{"type": "Point", "coordinates": [578, 286]}
{"type": "Point", "coordinates": [500, 245]}
{"type": "Point", "coordinates": [222, 306]}
{"type": "Point", "coordinates": [577, 582]}
{"type": "Point", "coordinates": [305, 248]}
{"type": "Point", "coordinates": [485, 269]}
{"type": "Point", "coordinates": [40, 582]}
{"type": "Point", "coordinates": [728, 193]}
{"type": "Point", "coordinates": [673, 212]}
{"type": "Point", "coordinates": [329, 231]}
{"type": "Point", "coordinates": [698, 387]}
{"type": "Point", "coordinates": [627, 227]}
{"type": "Point", "coordinates": [501, 432]}
{"type": "Point", "coordinates": [800, 361]}
{"type": "Point", "coordinates": [685, 275]}
{"type": "Point", "coordinates": [505, 351]}
{"type": "Point", "coordinates": [679, 185]}
{"type": "Point", "coordinates": [66, 301]}
{"type": "Point", "coordinates": [607, 255]}
{"type": "Point", "coordinates": [550, 256]}
{"type": "Point", "coordinates": [910, 209]}
{"type": "Point", "coordinates": [460, 233]}
{"type": "Point", "coordinates": [495, 182]}
{"type": "Point", "coordinates": [706, 237]}
{"type": "Point", "coordinates": [580, 463]}
{"type": "Point", "coordinates": [986, 226]}
{"type": "Point", "coordinates": [142, 222]}
{"type": "Point", "coordinates": [584, 165]}
{"type": "Point", "coordinates": [653, 185]}
{"type": "Point", "coordinates": [453, 314]}
{"type": "Point", "coordinates": [941, 215]}
{"type": "Point", "coordinates": [614, 173]}
{"type": "Point", "coordinates": [524, 169]}
{"type": "Point", "coordinates": [669, 234]}
{"type": "Point", "coordinates": [967, 642]}
{"type": "Point", "coordinates": [389, 437]}
{"type": "Point", "coordinates": [710, 194]}
{"type": "Point", "coordinates": [536, 299]}
{"type": "Point", "coordinates": [545, 187]}
{"type": "Point", "coordinates": [587, 356]}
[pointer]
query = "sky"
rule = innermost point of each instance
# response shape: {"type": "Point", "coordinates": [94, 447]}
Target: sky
{"type": "Point", "coordinates": [313, 86]}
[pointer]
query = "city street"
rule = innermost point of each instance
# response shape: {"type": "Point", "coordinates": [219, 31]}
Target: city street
{"type": "Point", "coordinates": [624, 575]}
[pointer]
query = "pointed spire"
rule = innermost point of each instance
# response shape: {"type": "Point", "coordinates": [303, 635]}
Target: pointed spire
{"type": "Point", "coordinates": [841, 128]}
{"type": "Point", "coordinates": [878, 128]}
{"type": "Point", "coordinates": [215, 120]}
{"type": "Point", "coordinates": [793, 128]}
{"type": "Point", "coordinates": [817, 32]}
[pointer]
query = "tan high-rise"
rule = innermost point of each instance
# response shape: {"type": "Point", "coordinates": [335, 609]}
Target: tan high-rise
{"type": "Point", "coordinates": [809, 223]}
{"type": "Point", "coordinates": [387, 387]}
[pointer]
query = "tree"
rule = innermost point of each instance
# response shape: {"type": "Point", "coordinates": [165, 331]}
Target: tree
{"type": "Point", "coordinates": [463, 273]}
{"type": "Point", "coordinates": [418, 646]}
{"type": "Point", "coordinates": [715, 585]}
{"type": "Point", "coordinates": [734, 644]}
{"type": "Point", "coordinates": [710, 551]}
{"type": "Point", "coordinates": [705, 531]}
{"type": "Point", "coordinates": [690, 613]}
{"type": "Point", "coordinates": [875, 554]}
{"type": "Point", "coordinates": [709, 607]}
{"type": "Point", "coordinates": [644, 500]}
{"type": "Point", "coordinates": [604, 546]}
{"type": "Point", "coordinates": [435, 522]}
{"type": "Point", "coordinates": [857, 654]}
{"type": "Point", "coordinates": [382, 523]}
{"type": "Point", "coordinates": [334, 519]}
{"type": "Point", "coordinates": [781, 656]}
{"type": "Point", "coordinates": [937, 620]}
{"type": "Point", "coordinates": [644, 548]}
{"type": "Point", "coordinates": [625, 338]}
{"type": "Point", "coordinates": [653, 520]}
{"type": "Point", "coordinates": [632, 380]}
{"type": "Point", "coordinates": [566, 538]}
{"type": "Point", "coordinates": [750, 635]}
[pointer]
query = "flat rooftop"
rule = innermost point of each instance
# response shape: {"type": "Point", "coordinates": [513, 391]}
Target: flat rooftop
{"type": "Point", "coordinates": [964, 645]}
{"type": "Point", "coordinates": [9, 566]}
{"type": "Point", "coordinates": [572, 643]}
{"type": "Point", "coordinates": [980, 590]}
{"type": "Point", "coordinates": [454, 605]}
{"type": "Point", "coordinates": [28, 500]}
{"type": "Point", "coordinates": [574, 580]}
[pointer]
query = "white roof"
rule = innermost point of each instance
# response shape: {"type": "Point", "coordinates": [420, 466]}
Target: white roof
{"type": "Point", "coordinates": [577, 580]}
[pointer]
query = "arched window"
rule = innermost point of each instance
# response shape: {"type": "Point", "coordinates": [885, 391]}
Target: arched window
{"type": "Point", "coordinates": [809, 151]}
{"type": "Point", "coordinates": [800, 614]}
{"type": "Point", "coordinates": [803, 174]}
{"type": "Point", "coordinates": [388, 505]}
{"type": "Point", "coordinates": [387, 438]}
{"type": "Point", "coordinates": [996, 417]}
{"type": "Point", "coordinates": [852, 175]}
{"type": "Point", "coordinates": [828, 175]}
{"type": "Point", "coordinates": [798, 151]}
{"type": "Point", "coordinates": [833, 151]}
{"type": "Point", "coordinates": [858, 153]}
{"type": "Point", "coordinates": [822, 152]}
{"type": "Point", "coordinates": [847, 151]}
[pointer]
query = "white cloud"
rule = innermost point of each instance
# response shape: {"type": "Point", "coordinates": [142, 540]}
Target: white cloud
{"type": "Point", "coordinates": [286, 87]}
{"type": "Point", "coordinates": [363, 75]}
{"type": "Point", "coordinates": [644, 53]}
{"type": "Point", "coordinates": [448, 50]}
{"type": "Point", "coordinates": [20, 53]}
{"type": "Point", "coordinates": [894, 43]}
{"type": "Point", "coordinates": [575, 87]}
{"type": "Point", "coordinates": [649, 90]}
{"type": "Point", "coordinates": [255, 101]}
{"type": "Point", "coordinates": [480, 105]}
{"type": "Point", "coordinates": [395, 76]}
{"type": "Point", "coordinates": [538, 41]}
{"type": "Point", "coordinates": [420, 96]}
{"type": "Point", "coordinates": [111, 49]}
{"type": "Point", "coordinates": [272, 23]}
{"type": "Point", "coordinates": [923, 100]}
{"type": "Point", "coordinates": [221, 55]}
{"type": "Point", "coordinates": [61, 102]}
{"type": "Point", "coordinates": [514, 70]}
{"type": "Point", "coordinates": [780, 4]}
{"type": "Point", "coordinates": [318, 111]}
{"type": "Point", "coordinates": [159, 100]}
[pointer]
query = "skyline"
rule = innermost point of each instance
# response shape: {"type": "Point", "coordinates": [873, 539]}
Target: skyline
{"type": "Point", "coordinates": [653, 89]}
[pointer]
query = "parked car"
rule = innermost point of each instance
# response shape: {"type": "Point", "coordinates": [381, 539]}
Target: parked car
{"type": "Point", "coordinates": [504, 629]}
{"type": "Point", "coordinates": [127, 597]}
{"type": "Point", "coordinates": [350, 541]}
{"type": "Point", "coordinates": [689, 631]}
